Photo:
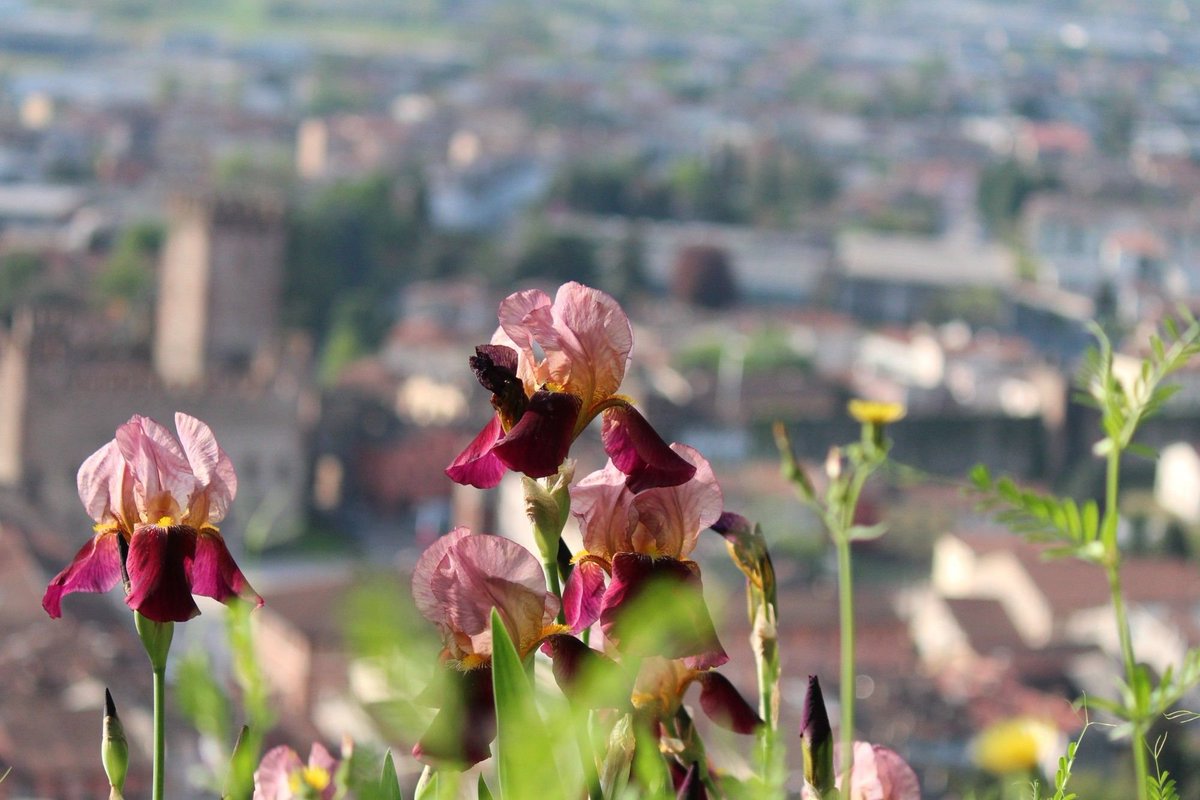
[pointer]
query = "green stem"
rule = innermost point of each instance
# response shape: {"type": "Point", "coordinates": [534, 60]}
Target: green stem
{"type": "Point", "coordinates": [1112, 565]}
{"type": "Point", "coordinates": [552, 582]}
{"type": "Point", "coordinates": [160, 738]}
{"type": "Point", "coordinates": [846, 615]}
{"type": "Point", "coordinates": [766, 656]}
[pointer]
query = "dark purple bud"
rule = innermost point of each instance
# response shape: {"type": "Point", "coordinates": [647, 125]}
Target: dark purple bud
{"type": "Point", "coordinates": [816, 740]}
{"type": "Point", "coordinates": [689, 786]}
{"type": "Point", "coordinates": [462, 731]}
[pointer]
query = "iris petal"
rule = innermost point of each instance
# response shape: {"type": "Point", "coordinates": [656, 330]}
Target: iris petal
{"type": "Point", "coordinates": [541, 439]}
{"type": "Point", "coordinates": [684, 630]}
{"type": "Point", "coordinates": [461, 732]}
{"type": "Point", "coordinates": [478, 465]}
{"type": "Point", "coordinates": [724, 705]}
{"type": "Point", "coordinates": [95, 568]}
{"type": "Point", "coordinates": [213, 572]}
{"type": "Point", "coordinates": [157, 565]}
{"type": "Point", "coordinates": [639, 452]}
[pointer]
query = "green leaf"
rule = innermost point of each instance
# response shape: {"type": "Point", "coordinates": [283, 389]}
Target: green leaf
{"type": "Point", "coordinates": [482, 791]}
{"type": "Point", "coordinates": [865, 533]}
{"type": "Point", "coordinates": [389, 781]}
{"type": "Point", "coordinates": [524, 751]}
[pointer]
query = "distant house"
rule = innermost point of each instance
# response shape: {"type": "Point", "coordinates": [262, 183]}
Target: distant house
{"type": "Point", "coordinates": [902, 278]}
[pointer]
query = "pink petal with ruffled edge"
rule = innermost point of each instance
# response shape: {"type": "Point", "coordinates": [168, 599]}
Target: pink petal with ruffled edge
{"type": "Point", "coordinates": [95, 568]}
{"type": "Point", "coordinates": [163, 480]}
{"type": "Point", "coordinates": [213, 572]}
{"type": "Point", "coordinates": [217, 482]}
{"type": "Point", "coordinates": [479, 573]}
{"type": "Point", "coordinates": [538, 444]}
{"type": "Point", "coordinates": [583, 595]}
{"type": "Point", "coordinates": [105, 486]}
{"type": "Point", "coordinates": [670, 519]}
{"type": "Point", "coordinates": [319, 758]}
{"type": "Point", "coordinates": [516, 314]}
{"type": "Point", "coordinates": [600, 502]}
{"type": "Point", "coordinates": [639, 452]}
{"type": "Point", "coordinates": [881, 774]}
{"type": "Point", "coordinates": [157, 565]}
{"type": "Point", "coordinates": [477, 465]}
{"type": "Point", "coordinates": [425, 572]}
{"type": "Point", "coordinates": [724, 704]}
{"type": "Point", "coordinates": [594, 342]}
{"type": "Point", "coordinates": [272, 778]}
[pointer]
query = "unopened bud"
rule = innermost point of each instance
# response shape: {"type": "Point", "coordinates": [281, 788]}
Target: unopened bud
{"type": "Point", "coordinates": [114, 749]}
{"type": "Point", "coordinates": [816, 741]}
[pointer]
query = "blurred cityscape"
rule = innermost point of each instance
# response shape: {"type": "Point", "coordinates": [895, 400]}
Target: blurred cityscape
{"type": "Point", "coordinates": [294, 219]}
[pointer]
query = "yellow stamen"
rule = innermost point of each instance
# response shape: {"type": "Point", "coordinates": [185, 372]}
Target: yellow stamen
{"type": "Point", "coordinates": [165, 521]}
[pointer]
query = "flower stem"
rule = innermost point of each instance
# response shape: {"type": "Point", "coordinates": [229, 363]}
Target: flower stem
{"type": "Point", "coordinates": [846, 621]}
{"type": "Point", "coordinates": [554, 584]}
{"type": "Point", "coordinates": [160, 738]}
{"type": "Point", "coordinates": [1112, 566]}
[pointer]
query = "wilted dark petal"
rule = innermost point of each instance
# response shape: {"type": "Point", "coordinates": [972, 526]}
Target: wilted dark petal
{"type": "Point", "coordinates": [541, 439]}
{"type": "Point", "coordinates": [462, 731]}
{"type": "Point", "coordinates": [677, 626]}
{"type": "Point", "coordinates": [478, 465]}
{"type": "Point", "coordinates": [688, 785]}
{"type": "Point", "coordinates": [95, 568]}
{"type": "Point", "coordinates": [213, 572]}
{"type": "Point", "coordinates": [495, 366]}
{"type": "Point", "coordinates": [730, 523]}
{"type": "Point", "coordinates": [157, 566]}
{"type": "Point", "coordinates": [638, 451]}
{"type": "Point", "coordinates": [725, 706]}
{"type": "Point", "coordinates": [583, 594]}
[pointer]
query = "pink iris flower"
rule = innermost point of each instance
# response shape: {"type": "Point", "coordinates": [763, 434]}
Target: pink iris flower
{"type": "Point", "coordinates": [456, 583]}
{"type": "Point", "coordinates": [156, 501]}
{"type": "Point", "coordinates": [281, 775]}
{"type": "Point", "coordinates": [552, 367]}
{"type": "Point", "coordinates": [634, 540]}
{"type": "Point", "coordinates": [878, 773]}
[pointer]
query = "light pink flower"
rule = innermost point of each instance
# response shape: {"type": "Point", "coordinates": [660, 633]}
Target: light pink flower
{"type": "Point", "coordinates": [462, 576]}
{"type": "Point", "coordinates": [281, 775]}
{"type": "Point", "coordinates": [456, 583]}
{"type": "Point", "coordinates": [156, 501]}
{"type": "Point", "coordinates": [878, 773]}
{"type": "Point", "coordinates": [552, 367]}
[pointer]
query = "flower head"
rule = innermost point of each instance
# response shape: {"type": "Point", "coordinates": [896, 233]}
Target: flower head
{"type": "Point", "coordinates": [456, 583]}
{"type": "Point", "coordinates": [640, 541]}
{"type": "Point", "coordinates": [552, 367]}
{"type": "Point", "coordinates": [869, 412]}
{"type": "Point", "coordinates": [281, 775]}
{"type": "Point", "coordinates": [878, 773]}
{"type": "Point", "coordinates": [156, 501]}
{"type": "Point", "coordinates": [462, 576]}
{"type": "Point", "coordinates": [1016, 745]}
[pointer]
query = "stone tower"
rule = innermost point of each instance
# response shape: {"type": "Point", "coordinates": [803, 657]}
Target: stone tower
{"type": "Point", "coordinates": [220, 281]}
{"type": "Point", "coordinates": [14, 390]}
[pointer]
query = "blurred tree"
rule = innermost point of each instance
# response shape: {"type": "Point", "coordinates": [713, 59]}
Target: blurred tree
{"type": "Point", "coordinates": [1002, 190]}
{"type": "Point", "coordinates": [19, 274]}
{"type": "Point", "coordinates": [628, 275]}
{"type": "Point", "coordinates": [703, 276]}
{"type": "Point", "coordinates": [558, 257]}
{"type": "Point", "coordinates": [128, 273]}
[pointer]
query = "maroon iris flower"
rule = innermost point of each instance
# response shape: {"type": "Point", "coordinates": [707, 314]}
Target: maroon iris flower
{"type": "Point", "coordinates": [156, 501]}
{"type": "Point", "coordinates": [552, 367]}
{"type": "Point", "coordinates": [636, 544]}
